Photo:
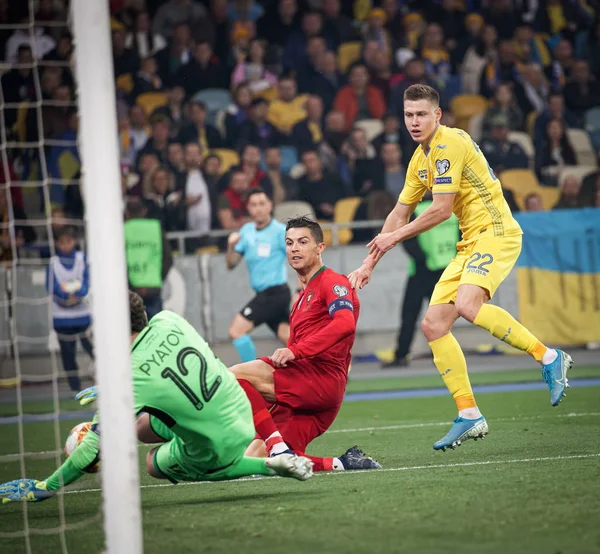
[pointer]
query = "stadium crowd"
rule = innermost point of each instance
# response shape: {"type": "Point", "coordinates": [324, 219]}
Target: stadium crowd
{"type": "Point", "coordinates": [305, 100]}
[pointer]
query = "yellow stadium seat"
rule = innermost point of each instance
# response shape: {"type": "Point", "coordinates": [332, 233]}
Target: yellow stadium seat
{"type": "Point", "coordinates": [465, 106]}
{"type": "Point", "coordinates": [228, 158]}
{"type": "Point", "coordinates": [152, 100]}
{"type": "Point", "coordinates": [522, 183]}
{"type": "Point", "coordinates": [207, 250]}
{"type": "Point", "coordinates": [20, 126]}
{"type": "Point", "coordinates": [327, 233]}
{"type": "Point", "coordinates": [125, 83]}
{"type": "Point", "coordinates": [347, 54]}
{"type": "Point", "coordinates": [344, 211]}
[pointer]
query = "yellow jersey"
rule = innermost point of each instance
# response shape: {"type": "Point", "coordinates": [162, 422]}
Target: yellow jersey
{"type": "Point", "coordinates": [455, 164]}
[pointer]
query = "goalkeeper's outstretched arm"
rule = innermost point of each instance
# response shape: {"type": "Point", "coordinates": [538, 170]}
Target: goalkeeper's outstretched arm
{"type": "Point", "coordinates": [32, 490]}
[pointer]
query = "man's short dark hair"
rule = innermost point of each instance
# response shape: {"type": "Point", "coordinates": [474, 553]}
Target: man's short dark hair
{"type": "Point", "coordinates": [306, 222]}
{"type": "Point", "coordinates": [256, 190]}
{"type": "Point", "coordinates": [137, 313]}
{"type": "Point", "coordinates": [422, 92]}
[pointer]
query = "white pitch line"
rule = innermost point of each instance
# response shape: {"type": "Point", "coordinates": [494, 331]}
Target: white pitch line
{"type": "Point", "coordinates": [52, 453]}
{"type": "Point", "coordinates": [405, 468]}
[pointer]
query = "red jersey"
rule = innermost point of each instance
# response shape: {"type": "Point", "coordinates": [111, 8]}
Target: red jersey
{"type": "Point", "coordinates": [323, 321]}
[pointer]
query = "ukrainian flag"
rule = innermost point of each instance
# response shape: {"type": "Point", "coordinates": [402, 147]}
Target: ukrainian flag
{"type": "Point", "coordinates": [558, 275]}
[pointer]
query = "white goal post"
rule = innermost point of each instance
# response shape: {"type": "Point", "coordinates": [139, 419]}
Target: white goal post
{"type": "Point", "coordinates": [106, 247]}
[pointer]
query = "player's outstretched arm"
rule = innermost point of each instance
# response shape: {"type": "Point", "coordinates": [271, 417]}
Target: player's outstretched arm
{"type": "Point", "coordinates": [440, 210]}
{"type": "Point", "coordinates": [395, 221]}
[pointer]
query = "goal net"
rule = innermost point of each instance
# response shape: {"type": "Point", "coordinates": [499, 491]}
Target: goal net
{"type": "Point", "coordinates": [58, 147]}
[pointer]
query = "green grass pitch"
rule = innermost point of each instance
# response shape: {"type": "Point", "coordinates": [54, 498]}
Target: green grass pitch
{"type": "Point", "coordinates": [533, 486]}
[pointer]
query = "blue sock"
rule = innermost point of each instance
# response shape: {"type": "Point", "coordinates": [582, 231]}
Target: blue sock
{"type": "Point", "coordinates": [245, 347]}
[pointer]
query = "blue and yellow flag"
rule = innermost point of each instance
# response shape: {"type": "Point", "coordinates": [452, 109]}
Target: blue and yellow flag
{"type": "Point", "coordinates": [558, 275]}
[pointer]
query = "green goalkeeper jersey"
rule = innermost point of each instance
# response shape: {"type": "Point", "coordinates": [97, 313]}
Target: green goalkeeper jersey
{"type": "Point", "coordinates": [178, 379]}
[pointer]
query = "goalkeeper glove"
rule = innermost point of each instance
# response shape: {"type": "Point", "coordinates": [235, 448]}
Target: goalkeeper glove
{"type": "Point", "coordinates": [87, 396]}
{"type": "Point", "coordinates": [25, 490]}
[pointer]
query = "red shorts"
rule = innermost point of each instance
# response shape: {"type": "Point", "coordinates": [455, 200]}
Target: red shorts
{"type": "Point", "coordinates": [308, 401]}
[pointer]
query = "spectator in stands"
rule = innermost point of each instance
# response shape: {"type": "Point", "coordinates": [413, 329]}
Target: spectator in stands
{"type": "Point", "coordinates": [211, 170]}
{"type": "Point", "coordinates": [560, 69]}
{"type": "Point", "coordinates": [582, 92]}
{"type": "Point", "coordinates": [502, 68]}
{"type": "Point", "coordinates": [251, 71]}
{"type": "Point", "coordinates": [335, 130]}
{"type": "Point", "coordinates": [256, 129]}
{"type": "Point", "coordinates": [327, 80]}
{"type": "Point", "coordinates": [375, 29]}
{"type": "Point", "coordinates": [315, 48]}
{"type": "Point", "coordinates": [308, 133]}
{"type": "Point", "coordinates": [499, 151]}
{"type": "Point", "coordinates": [436, 56]}
{"type": "Point", "coordinates": [17, 84]}
{"type": "Point", "coordinates": [136, 135]}
{"type": "Point", "coordinates": [163, 202]}
{"type": "Point", "coordinates": [175, 12]}
{"type": "Point", "coordinates": [530, 47]}
{"type": "Point", "coordinates": [42, 43]}
{"type": "Point", "coordinates": [221, 28]}
{"type": "Point", "coordinates": [284, 187]}
{"type": "Point", "coordinates": [196, 192]}
{"type": "Point", "coordinates": [125, 60]}
{"type": "Point", "coordinates": [245, 10]}
{"type": "Point", "coordinates": [237, 113]}
{"type": "Point", "coordinates": [379, 66]}
{"type": "Point", "coordinates": [174, 56]}
{"type": "Point", "coordinates": [390, 133]}
{"type": "Point", "coordinates": [294, 54]}
{"type": "Point", "coordinates": [359, 100]}
{"type": "Point", "coordinates": [276, 26]}
{"type": "Point", "coordinates": [533, 203]}
{"type": "Point", "coordinates": [320, 190]}
{"type": "Point", "coordinates": [62, 53]}
{"type": "Point", "coordinates": [503, 103]}
{"type": "Point", "coordinates": [141, 39]}
{"type": "Point", "coordinates": [256, 177]}
{"type": "Point", "coordinates": [365, 171]}
{"type": "Point", "coordinates": [289, 108]}
{"type": "Point", "coordinates": [394, 174]}
{"type": "Point", "coordinates": [555, 110]}
{"type": "Point", "coordinates": [202, 71]}
{"type": "Point", "coordinates": [159, 140]}
{"type": "Point", "coordinates": [557, 152]}
{"type": "Point", "coordinates": [450, 15]}
{"type": "Point", "coordinates": [587, 47]}
{"type": "Point", "coordinates": [535, 88]}
{"type": "Point", "coordinates": [23, 234]}
{"type": "Point", "coordinates": [176, 159]}
{"type": "Point", "coordinates": [147, 78]}
{"type": "Point", "coordinates": [147, 163]}
{"type": "Point", "coordinates": [173, 109]}
{"type": "Point", "coordinates": [198, 130]}
{"type": "Point", "coordinates": [68, 279]}
{"type": "Point", "coordinates": [501, 15]}
{"type": "Point", "coordinates": [476, 58]}
{"type": "Point", "coordinates": [393, 18]}
{"type": "Point", "coordinates": [590, 188]}
{"type": "Point", "coordinates": [335, 24]}
{"type": "Point", "coordinates": [142, 242]}
{"type": "Point", "coordinates": [414, 74]}
{"type": "Point", "coordinates": [232, 212]}
{"type": "Point", "coordinates": [569, 193]}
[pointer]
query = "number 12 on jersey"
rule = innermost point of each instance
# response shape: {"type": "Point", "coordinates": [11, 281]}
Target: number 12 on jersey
{"type": "Point", "coordinates": [177, 378]}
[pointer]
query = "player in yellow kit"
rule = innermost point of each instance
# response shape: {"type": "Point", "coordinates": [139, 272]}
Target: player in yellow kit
{"type": "Point", "coordinates": [451, 165]}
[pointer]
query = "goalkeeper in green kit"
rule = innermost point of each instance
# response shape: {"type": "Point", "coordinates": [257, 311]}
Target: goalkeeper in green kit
{"type": "Point", "coordinates": [185, 398]}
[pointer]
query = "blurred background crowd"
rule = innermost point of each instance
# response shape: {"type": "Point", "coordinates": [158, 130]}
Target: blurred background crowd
{"type": "Point", "coordinates": [302, 98]}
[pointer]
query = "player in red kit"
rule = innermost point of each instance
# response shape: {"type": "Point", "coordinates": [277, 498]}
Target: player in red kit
{"type": "Point", "coordinates": [304, 383]}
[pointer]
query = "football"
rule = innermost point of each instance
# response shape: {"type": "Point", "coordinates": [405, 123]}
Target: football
{"type": "Point", "coordinates": [76, 435]}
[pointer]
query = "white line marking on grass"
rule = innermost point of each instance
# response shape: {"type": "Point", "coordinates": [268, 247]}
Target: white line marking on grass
{"type": "Point", "coordinates": [405, 468]}
{"type": "Point", "coordinates": [52, 453]}
{"type": "Point", "coordinates": [438, 423]}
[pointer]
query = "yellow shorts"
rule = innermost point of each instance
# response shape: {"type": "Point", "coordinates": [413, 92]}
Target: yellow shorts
{"type": "Point", "coordinates": [485, 263]}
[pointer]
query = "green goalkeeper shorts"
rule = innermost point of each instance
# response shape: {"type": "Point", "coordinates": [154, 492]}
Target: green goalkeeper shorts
{"type": "Point", "coordinates": [175, 459]}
